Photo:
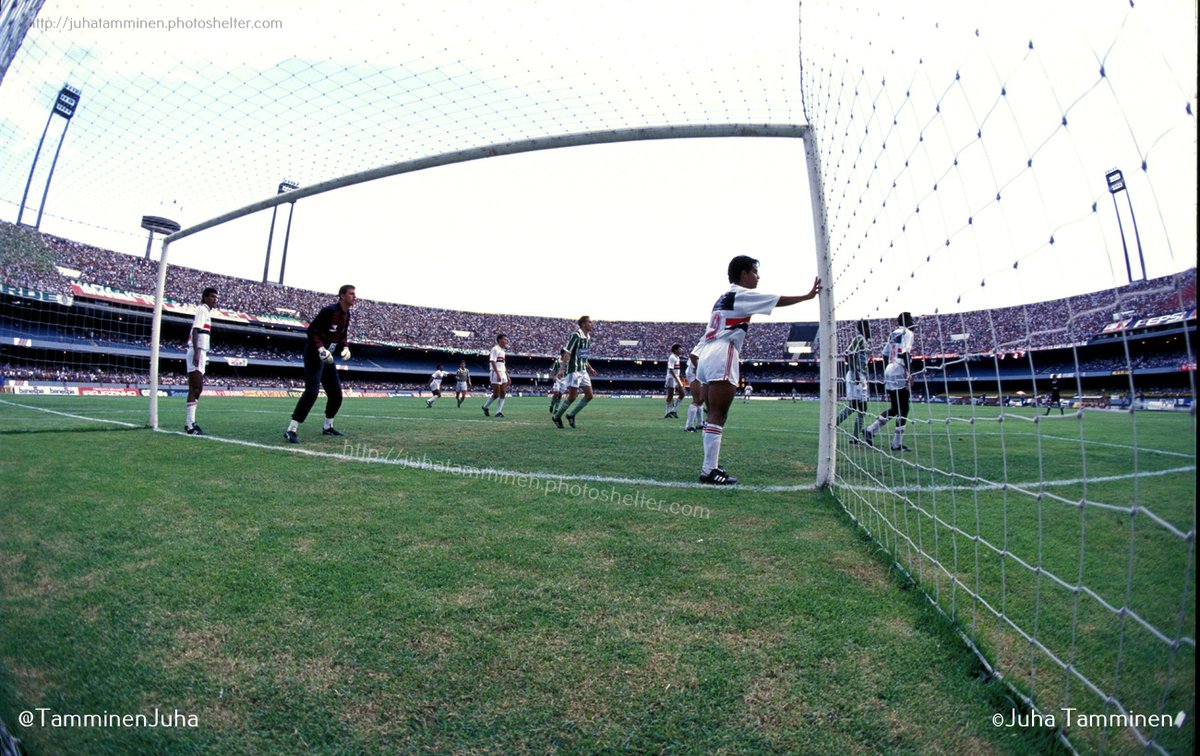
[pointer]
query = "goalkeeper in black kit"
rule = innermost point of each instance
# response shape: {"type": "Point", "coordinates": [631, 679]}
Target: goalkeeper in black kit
{"type": "Point", "coordinates": [327, 336]}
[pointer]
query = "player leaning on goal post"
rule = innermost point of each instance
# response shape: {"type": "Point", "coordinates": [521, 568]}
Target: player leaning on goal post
{"type": "Point", "coordinates": [578, 371]}
{"type": "Point", "coordinates": [717, 366]}
{"type": "Point", "coordinates": [328, 333]}
{"type": "Point", "coordinates": [197, 357]}
{"type": "Point", "coordinates": [897, 381]}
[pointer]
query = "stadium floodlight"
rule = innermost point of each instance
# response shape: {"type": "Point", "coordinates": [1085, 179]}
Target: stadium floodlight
{"type": "Point", "coordinates": [284, 186]}
{"type": "Point", "coordinates": [1116, 184]}
{"type": "Point", "coordinates": [65, 106]}
{"type": "Point", "coordinates": [155, 223]}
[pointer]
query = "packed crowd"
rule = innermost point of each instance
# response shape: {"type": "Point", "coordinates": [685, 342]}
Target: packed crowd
{"type": "Point", "coordinates": [1011, 329]}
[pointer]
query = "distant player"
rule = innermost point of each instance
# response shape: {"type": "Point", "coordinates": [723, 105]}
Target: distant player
{"type": "Point", "coordinates": [497, 376]}
{"type": "Point", "coordinates": [577, 371]}
{"type": "Point", "coordinates": [1055, 399]}
{"type": "Point", "coordinates": [559, 387]}
{"type": "Point", "coordinates": [435, 386]}
{"type": "Point", "coordinates": [857, 356]}
{"type": "Point", "coordinates": [718, 365]}
{"type": "Point", "coordinates": [695, 415]}
{"type": "Point", "coordinates": [462, 382]}
{"type": "Point", "coordinates": [674, 385]}
{"type": "Point", "coordinates": [897, 381]}
{"type": "Point", "coordinates": [197, 357]}
{"type": "Point", "coordinates": [746, 393]}
{"type": "Point", "coordinates": [328, 334]}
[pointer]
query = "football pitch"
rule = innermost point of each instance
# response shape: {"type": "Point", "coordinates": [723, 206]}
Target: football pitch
{"type": "Point", "coordinates": [440, 580]}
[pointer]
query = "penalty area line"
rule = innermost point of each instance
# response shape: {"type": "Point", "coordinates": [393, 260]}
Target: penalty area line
{"type": "Point", "coordinates": [492, 473]}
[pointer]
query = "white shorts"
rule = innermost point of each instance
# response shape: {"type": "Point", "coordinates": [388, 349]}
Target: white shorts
{"type": "Point", "coordinates": [203, 361]}
{"type": "Point", "coordinates": [579, 379]}
{"type": "Point", "coordinates": [496, 377]}
{"type": "Point", "coordinates": [719, 361]}
{"type": "Point", "coordinates": [895, 377]}
{"type": "Point", "coordinates": [560, 386]}
{"type": "Point", "coordinates": [671, 384]}
{"type": "Point", "coordinates": [856, 390]}
{"type": "Point", "coordinates": [460, 387]}
{"type": "Point", "coordinates": [689, 375]}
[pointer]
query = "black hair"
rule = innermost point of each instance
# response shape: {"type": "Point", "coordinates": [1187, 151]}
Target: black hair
{"type": "Point", "coordinates": [345, 288]}
{"type": "Point", "coordinates": [906, 319]}
{"type": "Point", "coordinates": [501, 336]}
{"type": "Point", "coordinates": [209, 290]}
{"type": "Point", "coordinates": [739, 265]}
{"type": "Point", "coordinates": [676, 346]}
{"type": "Point", "coordinates": [581, 319]}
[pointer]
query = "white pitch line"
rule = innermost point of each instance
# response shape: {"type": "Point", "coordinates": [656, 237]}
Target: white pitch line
{"type": "Point", "coordinates": [479, 472]}
{"type": "Point", "coordinates": [501, 472]}
{"type": "Point", "coordinates": [68, 414]}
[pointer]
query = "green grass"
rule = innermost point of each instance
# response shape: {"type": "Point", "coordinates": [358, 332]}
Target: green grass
{"type": "Point", "coordinates": [292, 601]}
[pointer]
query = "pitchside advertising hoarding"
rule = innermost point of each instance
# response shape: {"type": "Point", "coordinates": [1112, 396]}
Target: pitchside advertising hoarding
{"type": "Point", "coordinates": [1133, 324]}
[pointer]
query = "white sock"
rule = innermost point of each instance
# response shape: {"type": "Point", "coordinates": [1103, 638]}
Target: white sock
{"type": "Point", "coordinates": [898, 438]}
{"type": "Point", "coordinates": [293, 426]}
{"type": "Point", "coordinates": [874, 426]}
{"type": "Point", "coordinates": [691, 416]}
{"type": "Point", "coordinates": [712, 447]}
{"type": "Point", "coordinates": [329, 422]}
{"type": "Point", "coordinates": [500, 406]}
{"type": "Point", "coordinates": [488, 403]}
{"type": "Point", "coordinates": [191, 414]}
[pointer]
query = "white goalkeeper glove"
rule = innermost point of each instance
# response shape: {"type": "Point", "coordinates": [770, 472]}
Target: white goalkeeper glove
{"type": "Point", "coordinates": [345, 354]}
{"type": "Point", "coordinates": [325, 355]}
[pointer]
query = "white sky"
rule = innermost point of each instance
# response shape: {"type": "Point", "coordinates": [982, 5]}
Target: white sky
{"type": "Point", "coordinates": [628, 231]}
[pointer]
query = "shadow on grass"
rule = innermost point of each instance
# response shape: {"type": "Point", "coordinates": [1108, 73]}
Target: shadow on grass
{"type": "Point", "coordinates": [23, 431]}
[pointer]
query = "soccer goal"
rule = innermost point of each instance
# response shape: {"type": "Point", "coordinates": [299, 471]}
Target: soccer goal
{"type": "Point", "coordinates": [1020, 180]}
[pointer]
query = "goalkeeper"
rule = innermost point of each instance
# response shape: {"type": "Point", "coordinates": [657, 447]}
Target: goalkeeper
{"type": "Point", "coordinates": [327, 336]}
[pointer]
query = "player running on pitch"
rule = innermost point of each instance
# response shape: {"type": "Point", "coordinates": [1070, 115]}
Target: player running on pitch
{"type": "Point", "coordinates": [576, 369]}
{"type": "Point", "coordinates": [498, 376]}
{"type": "Point", "coordinates": [435, 386]}
{"type": "Point", "coordinates": [718, 365]}
{"type": "Point", "coordinates": [857, 355]}
{"type": "Point", "coordinates": [197, 357]}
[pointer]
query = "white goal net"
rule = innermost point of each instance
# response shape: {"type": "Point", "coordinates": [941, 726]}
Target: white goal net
{"type": "Point", "coordinates": [1021, 180]}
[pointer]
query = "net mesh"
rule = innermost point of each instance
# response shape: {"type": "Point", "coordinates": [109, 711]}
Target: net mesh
{"type": "Point", "coordinates": [964, 153]}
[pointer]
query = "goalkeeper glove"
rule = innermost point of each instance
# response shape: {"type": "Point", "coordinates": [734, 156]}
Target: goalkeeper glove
{"type": "Point", "coordinates": [325, 355]}
{"type": "Point", "coordinates": [345, 354]}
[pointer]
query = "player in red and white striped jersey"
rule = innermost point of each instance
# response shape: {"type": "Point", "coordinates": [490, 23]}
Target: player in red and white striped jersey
{"type": "Point", "coordinates": [718, 361]}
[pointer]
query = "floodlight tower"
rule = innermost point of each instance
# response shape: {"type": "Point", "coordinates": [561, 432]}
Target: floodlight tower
{"type": "Point", "coordinates": [65, 105]}
{"type": "Point", "coordinates": [164, 226]}
{"type": "Point", "coordinates": [1116, 183]}
{"type": "Point", "coordinates": [284, 186]}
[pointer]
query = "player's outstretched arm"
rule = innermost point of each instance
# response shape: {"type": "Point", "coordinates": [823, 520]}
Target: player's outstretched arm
{"type": "Point", "coordinates": [785, 301]}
